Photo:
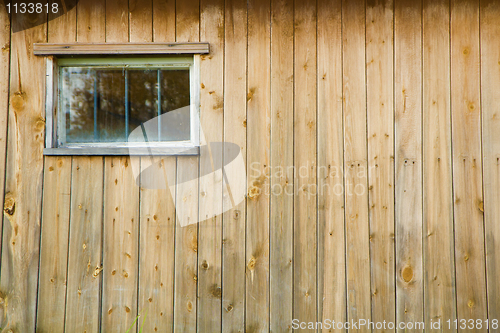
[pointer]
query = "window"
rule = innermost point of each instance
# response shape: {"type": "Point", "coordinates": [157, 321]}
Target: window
{"type": "Point", "coordinates": [123, 105]}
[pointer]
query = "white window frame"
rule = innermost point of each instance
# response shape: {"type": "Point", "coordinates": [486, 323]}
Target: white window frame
{"type": "Point", "coordinates": [55, 118]}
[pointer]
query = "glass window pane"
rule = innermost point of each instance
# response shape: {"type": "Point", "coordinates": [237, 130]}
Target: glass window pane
{"type": "Point", "coordinates": [93, 100]}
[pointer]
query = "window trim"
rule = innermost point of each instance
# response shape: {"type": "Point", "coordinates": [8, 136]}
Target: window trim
{"type": "Point", "coordinates": [54, 122]}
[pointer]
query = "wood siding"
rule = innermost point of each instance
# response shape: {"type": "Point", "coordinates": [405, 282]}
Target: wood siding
{"type": "Point", "coordinates": [370, 131]}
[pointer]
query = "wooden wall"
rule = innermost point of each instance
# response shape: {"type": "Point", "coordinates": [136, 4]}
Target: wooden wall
{"type": "Point", "coordinates": [384, 117]}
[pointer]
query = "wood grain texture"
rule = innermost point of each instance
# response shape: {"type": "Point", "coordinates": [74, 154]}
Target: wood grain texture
{"type": "Point", "coordinates": [490, 100]}
{"type": "Point", "coordinates": [83, 296]}
{"type": "Point", "coordinates": [117, 21]}
{"type": "Point", "coordinates": [120, 245]}
{"type": "Point", "coordinates": [164, 20]}
{"type": "Point", "coordinates": [210, 185]}
{"type": "Point", "coordinates": [54, 241]}
{"type": "Point", "coordinates": [186, 236]}
{"type": "Point", "coordinates": [355, 163]}
{"type": "Point", "coordinates": [4, 93]}
{"type": "Point", "coordinates": [235, 94]}
{"type": "Point", "coordinates": [439, 254]}
{"type": "Point", "coordinates": [331, 227]}
{"type": "Point", "coordinates": [157, 246]}
{"type": "Point", "coordinates": [23, 179]}
{"type": "Point", "coordinates": [408, 161]}
{"type": "Point", "coordinates": [121, 48]}
{"type": "Point", "coordinates": [305, 219]}
{"type": "Point", "coordinates": [380, 122]}
{"type": "Point", "coordinates": [258, 158]}
{"type": "Point", "coordinates": [467, 161]}
{"type": "Point", "coordinates": [281, 234]}
{"type": "Point", "coordinates": [140, 15]}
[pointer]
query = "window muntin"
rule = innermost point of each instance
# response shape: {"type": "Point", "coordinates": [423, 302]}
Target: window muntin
{"type": "Point", "coordinates": [101, 102]}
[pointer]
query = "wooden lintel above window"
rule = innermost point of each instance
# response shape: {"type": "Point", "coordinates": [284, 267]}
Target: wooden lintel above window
{"type": "Point", "coordinates": [119, 48]}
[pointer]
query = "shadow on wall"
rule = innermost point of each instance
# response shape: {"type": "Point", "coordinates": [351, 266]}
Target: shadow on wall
{"type": "Point", "coordinates": [26, 14]}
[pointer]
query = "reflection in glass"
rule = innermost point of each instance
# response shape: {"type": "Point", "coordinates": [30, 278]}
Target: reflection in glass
{"type": "Point", "coordinates": [105, 105]}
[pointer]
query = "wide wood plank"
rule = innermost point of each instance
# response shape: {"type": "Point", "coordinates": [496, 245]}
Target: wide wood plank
{"type": "Point", "coordinates": [380, 121]}
{"type": "Point", "coordinates": [490, 99]}
{"type": "Point", "coordinates": [258, 158]}
{"type": "Point", "coordinates": [439, 264]}
{"type": "Point", "coordinates": [355, 163]}
{"type": "Point", "coordinates": [408, 161]}
{"type": "Point", "coordinates": [140, 16]}
{"type": "Point", "coordinates": [56, 213]}
{"type": "Point", "coordinates": [211, 173]}
{"type": "Point", "coordinates": [467, 161]}
{"type": "Point", "coordinates": [163, 21]}
{"type": "Point", "coordinates": [235, 87]}
{"type": "Point", "coordinates": [305, 219]}
{"type": "Point", "coordinates": [23, 176]}
{"type": "Point", "coordinates": [120, 245]}
{"type": "Point", "coordinates": [331, 227]}
{"type": "Point", "coordinates": [186, 232]}
{"type": "Point", "coordinates": [85, 249]}
{"type": "Point", "coordinates": [281, 232]}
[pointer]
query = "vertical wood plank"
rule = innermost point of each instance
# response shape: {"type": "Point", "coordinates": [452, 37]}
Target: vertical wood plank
{"type": "Point", "coordinates": [55, 214]}
{"type": "Point", "coordinates": [281, 230]}
{"type": "Point", "coordinates": [23, 178]}
{"type": "Point", "coordinates": [85, 246]}
{"type": "Point", "coordinates": [120, 246]}
{"type": "Point", "coordinates": [380, 116]}
{"type": "Point", "coordinates": [210, 191]}
{"type": "Point", "coordinates": [235, 87]}
{"type": "Point", "coordinates": [157, 246]}
{"type": "Point", "coordinates": [83, 296]}
{"type": "Point", "coordinates": [117, 21]}
{"type": "Point", "coordinates": [305, 219]}
{"type": "Point", "coordinates": [490, 99]}
{"type": "Point", "coordinates": [331, 227]}
{"type": "Point", "coordinates": [439, 254]}
{"type": "Point", "coordinates": [408, 160]}
{"type": "Point", "coordinates": [141, 20]}
{"type": "Point", "coordinates": [258, 158]}
{"type": "Point", "coordinates": [157, 217]}
{"type": "Point", "coordinates": [467, 161]}
{"type": "Point", "coordinates": [4, 92]}
{"type": "Point", "coordinates": [186, 237]}
{"type": "Point", "coordinates": [355, 162]}
{"type": "Point", "coordinates": [164, 20]}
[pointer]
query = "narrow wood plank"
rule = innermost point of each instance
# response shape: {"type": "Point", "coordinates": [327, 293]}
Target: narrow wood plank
{"type": "Point", "coordinates": [439, 253]}
{"type": "Point", "coordinates": [186, 236]}
{"type": "Point", "coordinates": [490, 99]}
{"type": "Point", "coordinates": [258, 158]}
{"type": "Point", "coordinates": [305, 219]}
{"type": "Point", "coordinates": [120, 246]}
{"type": "Point", "coordinates": [4, 92]}
{"type": "Point", "coordinates": [355, 163]}
{"type": "Point", "coordinates": [467, 161]}
{"type": "Point", "coordinates": [56, 213]}
{"type": "Point", "coordinates": [85, 248]}
{"type": "Point", "coordinates": [235, 88]}
{"type": "Point", "coordinates": [157, 217]}
{"type": "Point", "coordinates": [331, 227]}
{"type": "Point", "coordinates": [380, 116]}
{"type": "Point", "coordinates": [408, 161]}
{"type": "Point", "coordinates": [141, 21]}
{"type": "Point", "coordinates": [83, 297]}
{"type": "Point", "coordinates": [210, 184]}
{"type": "Point", "coordinates": [281, 231]}
{"type": "Point", "coordinates": [54, 244]}
{"type": "Point", "coordinates": [117, 21]}
{"type": "Point", "coordinates": [157, 246]}
{"type": "Point", "coordinates": [163, 21]}
{"type": "Point", "coordinates": [23, 176]}
{"type": "Point", "coordinates": [120, 48]}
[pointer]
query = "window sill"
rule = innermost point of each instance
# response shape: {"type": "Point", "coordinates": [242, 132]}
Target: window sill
{"type": "Point", "coordinates": [135, 151]}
